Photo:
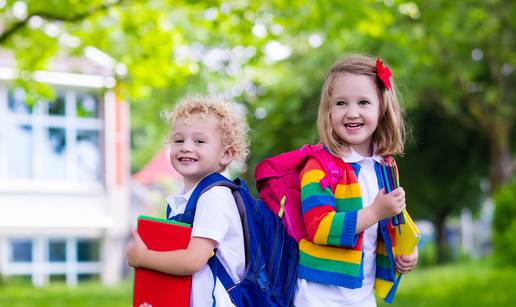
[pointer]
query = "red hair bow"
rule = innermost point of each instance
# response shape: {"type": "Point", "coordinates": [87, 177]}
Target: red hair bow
{"type": "Point", "coordinates": [384, 73]}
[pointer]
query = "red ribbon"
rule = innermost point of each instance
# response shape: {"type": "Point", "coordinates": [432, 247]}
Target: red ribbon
{"type": "Point", "coordinates": [384, 73]}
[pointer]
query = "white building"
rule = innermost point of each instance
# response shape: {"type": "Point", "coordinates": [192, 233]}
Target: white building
{"type": "Point", "coordinates": [64, 171]}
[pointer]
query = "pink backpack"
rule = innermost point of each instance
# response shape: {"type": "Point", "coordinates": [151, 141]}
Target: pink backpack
{"type": "Point", "coordinates": [277, 181]}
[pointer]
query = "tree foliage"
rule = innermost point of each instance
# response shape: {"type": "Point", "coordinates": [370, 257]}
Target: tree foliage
{"type": "Point", "coordinates": [453, 61]}
{"type": "Point", "coordinates": [504, 224]}
{"type": "Point", "coordinates": [464, 55]}
{"type": "Point", "coordinates": [440, 170]}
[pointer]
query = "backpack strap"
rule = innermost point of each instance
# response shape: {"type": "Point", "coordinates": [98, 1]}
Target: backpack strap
{"type": "Point", "coordinates": [333, 172]}
{"type": "Point", "coordinates": [206, 183]}
{"type": "Point", "coordinates": [308, 149]}
{"type": "Point", "coordinates": [218, 270]}
{"type": "Point", "coordinates": [216, 267]}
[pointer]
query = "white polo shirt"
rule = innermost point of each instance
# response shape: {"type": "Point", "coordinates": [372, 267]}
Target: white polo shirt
{"type": "Point", "coordinates": [216, 218]}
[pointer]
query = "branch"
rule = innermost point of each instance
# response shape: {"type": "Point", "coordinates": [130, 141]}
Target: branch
{"type": "Point", "coordinates": [55, 17]}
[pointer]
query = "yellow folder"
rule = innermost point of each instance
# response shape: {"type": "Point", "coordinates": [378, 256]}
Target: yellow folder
{"type": "Point", "coordinates": [407, 239]}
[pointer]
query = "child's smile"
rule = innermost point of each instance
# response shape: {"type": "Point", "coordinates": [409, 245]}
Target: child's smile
{"type": "Point", "coordinates": [187, 160]}
{"type": "Point", "coordinates": [353, 126]}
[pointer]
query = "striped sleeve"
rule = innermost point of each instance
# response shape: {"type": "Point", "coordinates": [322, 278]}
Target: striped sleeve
{"type": "Point", "coordinates": [323, 224]}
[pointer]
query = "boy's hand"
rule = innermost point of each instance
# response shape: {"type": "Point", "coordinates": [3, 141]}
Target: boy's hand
{"type": "Point", "coordinates": [387, 205]}
{"type": "Point", "coordinates": [136, 250]}
{"type": "Point", "coordinates": [405, 264]}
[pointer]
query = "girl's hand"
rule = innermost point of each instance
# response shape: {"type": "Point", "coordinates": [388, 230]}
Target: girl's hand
{"type": "Point", "coordinates": [405, 264]}
{"type": "Point", "coordinates": [136, 250]}
{"type": "Point", "coordinates": [387, 205]}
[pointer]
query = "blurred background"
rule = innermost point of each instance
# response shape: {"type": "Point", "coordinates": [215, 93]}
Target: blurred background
{"type": "Point", "coordinates": [82, 142]}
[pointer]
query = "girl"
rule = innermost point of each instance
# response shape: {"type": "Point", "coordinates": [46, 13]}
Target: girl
{"type": "Point", "coordinates": [347, 250]}
{"type": "Point", "coordinates": [206, 137]}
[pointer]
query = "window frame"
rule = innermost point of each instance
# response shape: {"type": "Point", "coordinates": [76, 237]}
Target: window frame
{"type": "Point", "coordinates": [41, 122]}
{"type": "Point", "coordinates": [41, 264]}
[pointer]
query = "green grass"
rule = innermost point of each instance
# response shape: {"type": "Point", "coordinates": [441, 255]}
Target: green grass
{"type": "Point", "coordinates": [468, 284]}
{"type": "Point", "coordinates": [16, 294]}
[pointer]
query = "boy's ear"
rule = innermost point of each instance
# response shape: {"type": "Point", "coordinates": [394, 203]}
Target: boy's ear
{"type": "Point", "coordinates": [227, 157]}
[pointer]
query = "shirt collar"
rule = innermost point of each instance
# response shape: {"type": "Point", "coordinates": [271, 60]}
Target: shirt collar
{"type": "Point", "coordinates": [185, 196]}
{"type": "Point", "coordinates": [354, 157]}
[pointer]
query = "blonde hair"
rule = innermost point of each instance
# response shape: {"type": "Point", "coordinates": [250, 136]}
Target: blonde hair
{"type": "Point", "coordinates": [389, 137]}
{"type": "Point", "coordinates": [233, 126]}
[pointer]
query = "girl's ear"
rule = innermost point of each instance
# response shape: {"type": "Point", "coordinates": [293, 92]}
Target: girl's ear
{"type": "Point", "coordinates": [227, 157]}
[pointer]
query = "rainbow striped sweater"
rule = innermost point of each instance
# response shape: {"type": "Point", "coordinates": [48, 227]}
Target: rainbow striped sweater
{"type": "Point", "coordinates": [331, 253]}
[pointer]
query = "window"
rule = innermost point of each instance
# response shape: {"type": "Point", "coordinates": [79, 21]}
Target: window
{"type": "Point", "coordinates": [16, 102]}
{"type": "Point", "coordinates": [55, 151]}
{"type": "Point", "coordinates": [56, 250]}
{"type": "Point", "coordinates": [57, 107]}
{"type": "Point", "coordinates": [54, 259]}
{"type": "Point", "coordinates": [88, 250]}
{"type": "Point", "coordinates": [88, 155]}
{"type": "Point", "coordinates": [88, 277]}
{"type": "Point", "coordinates": [52, 141]}
{"type": "Point", "coordinates": [87, 106]}
{"type": "Point", "coordinates": [19, 152]}
{"type": "Point", "coordinates": [21, 250]}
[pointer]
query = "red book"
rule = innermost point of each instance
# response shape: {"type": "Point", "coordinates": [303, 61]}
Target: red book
{"type": "Point", "coordinates": [153, 288]}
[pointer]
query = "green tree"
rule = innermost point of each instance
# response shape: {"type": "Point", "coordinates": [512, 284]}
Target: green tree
{"type": "Point", "coordinates": [462, 61]}
{"type": "Point", "coordinates": [504, 224]}
{"type": "Point", "coordinates": [464, 57]}
{"type": "Point", "coordinates": [166, 47]}
{"type": "Point", "coordinates": [440, 170]}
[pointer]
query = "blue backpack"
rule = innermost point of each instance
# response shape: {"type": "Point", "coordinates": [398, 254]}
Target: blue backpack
{"type": "Point", "coordinates": [271, 255]}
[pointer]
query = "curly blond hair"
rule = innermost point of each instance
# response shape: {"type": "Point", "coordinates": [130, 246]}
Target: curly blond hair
{"type": "Point", "coordinates": [232, 125]}
{"type": "Point", "coordinates": [389, 136]}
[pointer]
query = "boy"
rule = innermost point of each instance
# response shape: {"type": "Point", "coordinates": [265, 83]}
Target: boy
{"type": "Point", "coordinates": [206, 137]}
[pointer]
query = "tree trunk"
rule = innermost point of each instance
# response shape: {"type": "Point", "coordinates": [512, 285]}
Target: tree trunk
{"type": "Point", "coordinates": [441, 240]}
{"type": "Point", "coordinates": [500, 160]}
